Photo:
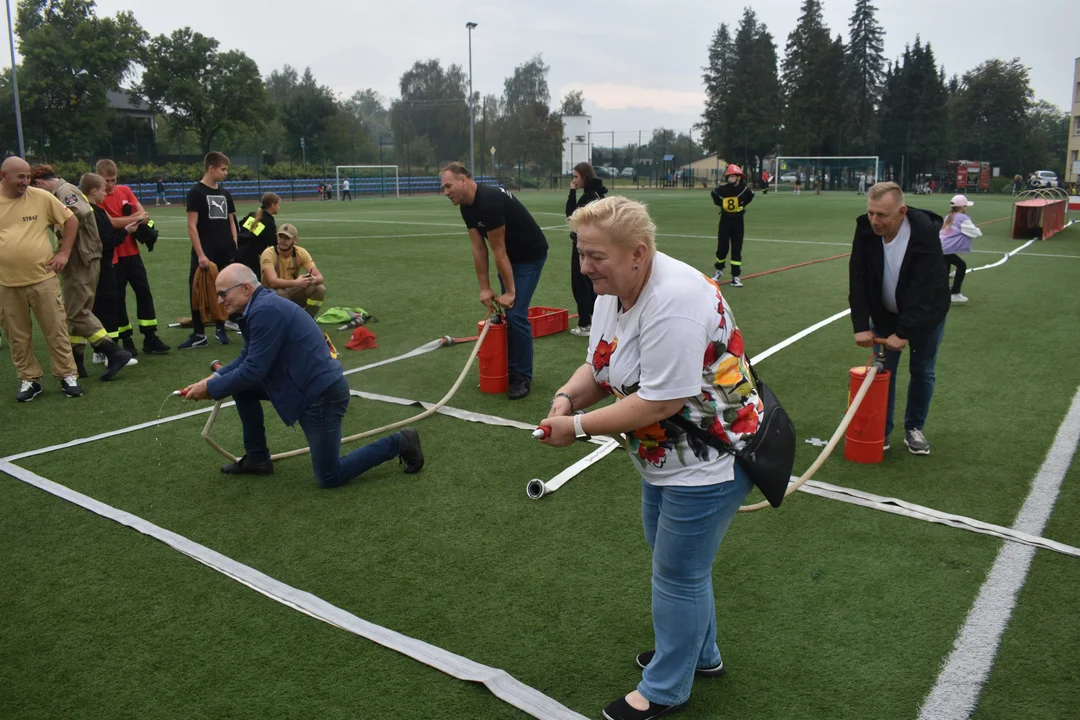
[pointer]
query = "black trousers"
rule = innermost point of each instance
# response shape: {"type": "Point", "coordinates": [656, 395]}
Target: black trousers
{"type": "Point", "coordinates": [584, 295]}
{"type": "Point", "coordinates": [221, 254]}
{"type": "Point", "coordinates": [346, 194]}
{"type": "Point", "coordinates": [249, 255]}
{"type": "Point", "coordinates": [951, 260]}
{"type": "Point", "coordinates": [730, 234]}
{"type": "Point", "coordinates": [105, 305]}
{"type": "Point", "coordinates": [131, 271]}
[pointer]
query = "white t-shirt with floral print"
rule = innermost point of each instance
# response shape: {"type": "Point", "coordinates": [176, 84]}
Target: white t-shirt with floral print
{"type": "Point", "coordinates": [679, 340]}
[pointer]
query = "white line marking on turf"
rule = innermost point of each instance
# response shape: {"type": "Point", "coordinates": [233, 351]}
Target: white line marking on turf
{"type": "Point", "coordinates": [798, 336]}
{"type": "Point", "coordinates": [956, 692]}
{"type": "Point", "coordinates": [502, 684]}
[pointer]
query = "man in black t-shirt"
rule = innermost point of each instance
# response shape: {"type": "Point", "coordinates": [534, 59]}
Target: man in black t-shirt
{"type": "Point", "coordinates": [497, 220]}
{"type": "Point", "coordinates": [211, 225]}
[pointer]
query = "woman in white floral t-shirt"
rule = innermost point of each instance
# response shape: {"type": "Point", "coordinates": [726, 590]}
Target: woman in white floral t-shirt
{"type": "Point", "coordinates": [663, 342]}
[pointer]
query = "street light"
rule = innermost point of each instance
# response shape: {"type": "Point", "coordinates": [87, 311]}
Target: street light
{"type": "Point", "coordinates": [15, 82]}
{"type": "Point", "coordinates": [472, 142]}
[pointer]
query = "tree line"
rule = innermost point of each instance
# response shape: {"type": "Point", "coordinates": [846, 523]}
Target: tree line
{"type": "Point", "coordinates": [828, 96]}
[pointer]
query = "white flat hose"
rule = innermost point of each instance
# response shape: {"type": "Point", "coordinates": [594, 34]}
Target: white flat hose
{"type": "Point", "coordinates": [871, 373]}
{"type": "Point", "coordinates": [367, 433]}
{"type": "Point", "coordinates": [537, 488]}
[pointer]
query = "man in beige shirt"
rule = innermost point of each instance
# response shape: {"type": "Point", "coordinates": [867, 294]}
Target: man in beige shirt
{"type": "Point", "coordinates": [79, 279]}
{"type": "Point", "coordinates": [288, 270]}
{"type": "Point", "coordinates": [28, 283]}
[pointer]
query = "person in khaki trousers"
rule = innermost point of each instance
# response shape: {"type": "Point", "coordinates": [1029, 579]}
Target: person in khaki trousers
{"type": "Point", "coordinates": [288, 270]}
{"type": "Point", "coordinates": [79, 278]}
{"type": "Point", "coordinates": [28, 283]}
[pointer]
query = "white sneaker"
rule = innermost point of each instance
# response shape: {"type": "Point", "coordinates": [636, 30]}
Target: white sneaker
{"type": "Point", "coordinates": [958, 298]}
{"type": "Point", "coordinates": [718, 276]}
{"type": "Point", "coordinates": [736, 282]}
{"type": "Point", "coordinates": [230, 325]}
{"type": "Point", "coordinates": [99, 358]}
{"type": "Point", "coordinates": [581, 331]}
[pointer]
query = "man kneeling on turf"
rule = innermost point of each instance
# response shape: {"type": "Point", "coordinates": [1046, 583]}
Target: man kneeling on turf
{"type": "Point", "coordinates": [285, 361]}
{"type": "Point", "coordinates": [288, 270]}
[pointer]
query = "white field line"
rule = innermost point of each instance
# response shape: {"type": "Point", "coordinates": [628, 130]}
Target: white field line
{"type": "Point", "coordinates": [959, 684]}
{"type": "Point", "coordinates": [501, 683]}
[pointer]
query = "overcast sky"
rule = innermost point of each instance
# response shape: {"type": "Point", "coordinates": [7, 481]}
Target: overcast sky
{"type": "Point", "coordinates": [638, 61]}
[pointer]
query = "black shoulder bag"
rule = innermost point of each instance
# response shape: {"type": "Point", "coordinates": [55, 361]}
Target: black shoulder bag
{"type": "Point", "coordinates": [769, 457]}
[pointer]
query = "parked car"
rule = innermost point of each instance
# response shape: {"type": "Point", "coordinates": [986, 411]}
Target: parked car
{"type": "Point", "coordinates": [788, 178]}
{"type": "Point", "coordinates": [627, 172]}
{"type": "Point", "coordinates": [1044, 179]}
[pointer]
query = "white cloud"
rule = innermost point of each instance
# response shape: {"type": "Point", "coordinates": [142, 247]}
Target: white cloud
{"type": "Point", "coordinates": [608, 96]}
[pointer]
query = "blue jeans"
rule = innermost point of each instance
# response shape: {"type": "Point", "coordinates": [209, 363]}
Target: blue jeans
{"type": "Point", "coordinates": [321, 423]}
{"type": "Point", "coordinates": [519, 339]}
{"type": "Point", "coordinates": [684, 526]}
{"type": "Point", "coordinates": [921, 359]}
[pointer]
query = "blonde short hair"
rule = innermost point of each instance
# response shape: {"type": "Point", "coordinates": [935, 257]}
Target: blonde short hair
{"type": "Point", "coordinates": [881, 189]}
{"type": "Point", "coordinates": [626, 221]}
{"type": "Point", "coordinates": [89, 182]}
{"type": "Point", "coordinates": [104, 167]}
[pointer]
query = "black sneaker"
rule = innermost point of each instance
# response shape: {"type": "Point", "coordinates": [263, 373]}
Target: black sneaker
{"type": "Point", "coordinates": [519, 387]}
{"type": "Point", "coordinates": [193, 341]}
{"type": "Point", "coordinates": [243, 466]}
{"type": "Point", "coordinates": [222, 336]}
{"type": "Point", "coordinates": [152, 345]}
{"type": "Point", "coordinates": [622, 710]}
{"type": "Point", "coordinates": [28, 390]}
{"type": "Point", "coordinates": [410, 454]}
{"type": "Point", "coordinates": [129, 345]}
{"type": "Point", "coordinates": [646, 657]}
{"type": "Point", "coordinates": [70, 385]}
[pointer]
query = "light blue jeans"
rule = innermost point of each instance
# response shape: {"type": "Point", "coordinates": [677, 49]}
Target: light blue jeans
{"type": "Point", "coordinates": [684, 526]}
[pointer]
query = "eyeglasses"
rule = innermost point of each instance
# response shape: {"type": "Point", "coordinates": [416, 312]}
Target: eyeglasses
{"type": "Point", "coordinates": [222, 293]}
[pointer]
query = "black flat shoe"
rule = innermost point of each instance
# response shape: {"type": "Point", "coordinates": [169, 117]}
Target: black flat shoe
{"type": "Point", "coordinates": [621, 710]}
{"type": "Point", "coordinates": [243, 466]}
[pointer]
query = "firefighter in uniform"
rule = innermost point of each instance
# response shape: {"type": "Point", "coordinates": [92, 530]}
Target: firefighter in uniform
{"type": "Point", "coordinates": [124, 208]}
{"type": "Point", "coordinates": [732, 197]}
{"type": "Point", "coordinates": [79, 278]}
{"type": "Point", "coordinates": [258, 231]}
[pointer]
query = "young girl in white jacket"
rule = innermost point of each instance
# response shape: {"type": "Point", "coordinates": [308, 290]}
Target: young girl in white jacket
{"type": "Point", "coordinates": [957, 232]}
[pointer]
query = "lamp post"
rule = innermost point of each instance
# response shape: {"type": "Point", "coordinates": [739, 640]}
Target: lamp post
{"type": "Point", "coordinates": [472, 143]}
{"type": "Point", "coordinates": [15, 81]}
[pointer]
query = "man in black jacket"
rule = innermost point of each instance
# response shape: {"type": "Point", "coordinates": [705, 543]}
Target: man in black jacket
{"type": "Point", "coordinates": [899, 290]}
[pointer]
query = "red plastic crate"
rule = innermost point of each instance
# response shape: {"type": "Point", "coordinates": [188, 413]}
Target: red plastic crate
{"type": "Point", "coordinates": [547, 321]}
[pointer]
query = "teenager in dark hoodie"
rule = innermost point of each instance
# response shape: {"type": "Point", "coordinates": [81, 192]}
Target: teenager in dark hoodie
{"type": "Point", "coordinates": [592, 190]}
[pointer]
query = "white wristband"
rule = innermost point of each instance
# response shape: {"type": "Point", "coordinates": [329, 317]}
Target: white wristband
{"type": "Point", "coordinates": [579, 433]}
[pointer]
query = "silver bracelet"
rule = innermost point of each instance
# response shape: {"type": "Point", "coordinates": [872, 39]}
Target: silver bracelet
{"type": "Point", "coordinates": [568, 399]}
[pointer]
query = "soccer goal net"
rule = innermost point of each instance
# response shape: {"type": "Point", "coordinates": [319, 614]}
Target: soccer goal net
{"type": "Point", "coordinates": [351, 181]}
{"type": "Point", "coordinates": [816, 173]}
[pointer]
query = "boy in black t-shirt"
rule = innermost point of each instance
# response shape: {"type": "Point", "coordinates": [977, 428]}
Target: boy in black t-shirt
{"type": "Point", "coordinates": [497, 220]}
{"type": "Point", "coordinates": [211, 225]}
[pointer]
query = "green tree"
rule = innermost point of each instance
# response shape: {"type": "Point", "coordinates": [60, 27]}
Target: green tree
{"type": "Point", "coordinates": [991, 112]}
{"type": "Point", "coordinates": [808, 56]}
{"type": "Point", "coordinates": [1046, 139]}
{"type": "Point", "coordinates": [71, 59]}
{"type": "Point", "coordinates": [914, 114]}
{"type": "Point", "coordinates": [716, 122]}
{"type": "Point", "coordinates": [754, 93]}
{"type": "Point", "coordinates": [201, 89]}
{"type": "Point", "coordinates": [529, 131]}
{"type": "Point", "coordinates": [307, 112]}
{"type": "Point", "coordinates": [573, 103]}
{"type": "Point", "coordinates": [865, 73]}
{"type": "Point", "coordinates": [433, 105]}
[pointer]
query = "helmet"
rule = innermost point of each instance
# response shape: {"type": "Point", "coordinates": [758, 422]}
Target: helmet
{"type": "Point", "coordinates": [734, 170]}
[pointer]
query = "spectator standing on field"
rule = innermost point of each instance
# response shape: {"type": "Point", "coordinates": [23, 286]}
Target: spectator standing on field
{"type": "Point", "coordinates": [957, 232]}
{"type": "Point", "coordinates": [124, 208]}
{"type": "Point", "coordinates": [79, 278]}
{"type": "Point", "coordinates": [161, 199]}
{"type": "Point", "coordinates": [497, 220]}
{"type": "Point", "coordinates": [898, 290]}
{"type": "Point", "coordinates": [28, 283]}
{"type": "Point", "coordinates": [345, 194]}
{"type": "Point", "coordinates": [592, 189]}
{"type": "Point", "coordinates": [211, 226]}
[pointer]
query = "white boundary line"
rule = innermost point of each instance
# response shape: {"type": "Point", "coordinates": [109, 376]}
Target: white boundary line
{"type": "Point", "coordinates": [959, 685]}
{"type": "Point", "coordinates": [501, 683]}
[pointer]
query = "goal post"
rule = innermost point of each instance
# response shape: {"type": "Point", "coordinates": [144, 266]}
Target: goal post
{"type": "Point", "coordinates": [367, 180]}
{"type": "Point", "coordinates": [827, 172]}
